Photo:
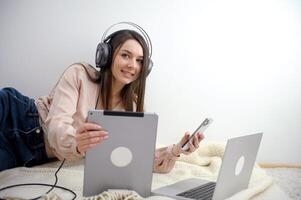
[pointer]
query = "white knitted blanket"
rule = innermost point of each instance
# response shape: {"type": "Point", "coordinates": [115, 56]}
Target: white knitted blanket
{"type": "Point", "coordinates": [204, 163]}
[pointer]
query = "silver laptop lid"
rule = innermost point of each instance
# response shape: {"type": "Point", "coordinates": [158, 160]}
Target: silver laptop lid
{"type": "Point", "coordinates": [125, 159]}
{"type": "Point", "coordinates": [238, 162]}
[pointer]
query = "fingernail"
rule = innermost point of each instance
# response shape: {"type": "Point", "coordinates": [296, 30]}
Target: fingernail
{"type": "Point", "coordinates": [105, 137]}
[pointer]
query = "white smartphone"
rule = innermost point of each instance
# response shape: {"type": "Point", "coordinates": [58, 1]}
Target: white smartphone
{"type": "Point", "coordinates": [202, 127]}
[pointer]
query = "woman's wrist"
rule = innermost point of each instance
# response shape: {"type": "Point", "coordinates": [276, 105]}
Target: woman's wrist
{"type": "Point", "coordinates": [172, 153]}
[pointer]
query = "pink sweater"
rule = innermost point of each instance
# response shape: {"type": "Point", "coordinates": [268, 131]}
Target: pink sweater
{"type": "Point", "coordinates": [65, 109]}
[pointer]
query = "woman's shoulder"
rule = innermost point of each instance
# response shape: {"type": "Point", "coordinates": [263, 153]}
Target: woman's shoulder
{"type": "Point", "coordinates": [82, 69]}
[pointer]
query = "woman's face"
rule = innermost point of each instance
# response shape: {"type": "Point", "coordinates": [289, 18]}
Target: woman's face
{"type": "Point", "coordinates": [127, 64]}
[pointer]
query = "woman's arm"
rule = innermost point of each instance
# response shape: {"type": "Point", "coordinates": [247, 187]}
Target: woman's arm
{"type": "Point", "coordinates": [59, 122]}
{"type": "Point", "coordinates": [71, 99]}
{"type": "Point", "coordinates": [166, 157]}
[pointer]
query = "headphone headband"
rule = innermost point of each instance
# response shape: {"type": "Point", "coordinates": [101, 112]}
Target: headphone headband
{"type": "Point", "coordinates": [141, 30]}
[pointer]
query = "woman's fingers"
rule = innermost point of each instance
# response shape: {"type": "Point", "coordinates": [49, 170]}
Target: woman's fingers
{"type": "Point", "coordinates": [194, 143]}
{"type": "Point", "coordinates": [177, 149]}
{"type": "Point", "coordinates": [192, 146]}
{"type": "Point", "coordinates": [184, 138]}
{"type": "Point", "coordinates": [88, 136]}
{"type": "Point", "coordinates": [95, 139]}
{"type": "Point", "coordinates": [88, 127]}
{"type": "Point", "coordinates": [197, 139]}
{"type": "Point", "coordinates": [201, 136]}
{"type": "Point", "coordinates": [83, 146]}
{"type": "Point", "coordinates": [91, 134]}
{"type": "Point", "coordinates": [87, 147]}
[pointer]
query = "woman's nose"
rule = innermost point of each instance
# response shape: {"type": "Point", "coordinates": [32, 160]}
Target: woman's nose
{"type": "Point", "coordinates": [132, 63]}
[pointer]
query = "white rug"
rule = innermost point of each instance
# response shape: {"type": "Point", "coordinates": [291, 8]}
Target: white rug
{"type": "Point", "coordinates": [288, 179]}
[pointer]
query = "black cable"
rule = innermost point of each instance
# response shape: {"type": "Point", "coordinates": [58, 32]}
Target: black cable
{"type": "Point", "coordinates": [42, 184]}
{"type": "Point", "coordinates": [56, 179]}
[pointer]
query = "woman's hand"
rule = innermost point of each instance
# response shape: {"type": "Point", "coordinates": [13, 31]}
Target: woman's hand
{"type": "Point", "coordinates": [193, 144]}
{"type": "Point", "coordinates": [88, 136]}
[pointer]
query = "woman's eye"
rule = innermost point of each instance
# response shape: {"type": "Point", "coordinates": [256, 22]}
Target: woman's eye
{"type": "Point", "coordinates": [140, 62]}
{"type": "Point", "coordinates": [124, 55]}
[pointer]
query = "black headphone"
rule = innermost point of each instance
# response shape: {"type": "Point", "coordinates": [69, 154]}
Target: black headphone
{"type": "Point", "coordinates": [104, 49]}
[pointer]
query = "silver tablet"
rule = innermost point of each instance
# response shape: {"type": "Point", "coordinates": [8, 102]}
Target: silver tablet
{"type": "Point", "coordinates": [125, 159]}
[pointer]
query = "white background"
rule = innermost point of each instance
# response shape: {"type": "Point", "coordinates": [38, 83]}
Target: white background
{"type": "Point", "coordinates": [233, 60]}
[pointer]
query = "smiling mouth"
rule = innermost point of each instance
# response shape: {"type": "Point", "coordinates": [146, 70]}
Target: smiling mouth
{"type": "Point", "coordinates": [127, 74]}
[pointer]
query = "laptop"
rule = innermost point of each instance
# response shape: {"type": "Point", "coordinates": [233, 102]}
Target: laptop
{"type": "Point", "coordinates": [125, 159]}
{"type": "Point", "coordinates": [234, 175]}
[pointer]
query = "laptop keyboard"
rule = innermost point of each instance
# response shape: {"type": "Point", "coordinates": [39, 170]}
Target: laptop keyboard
{"type": "Point", "coordinates": [203, 192]}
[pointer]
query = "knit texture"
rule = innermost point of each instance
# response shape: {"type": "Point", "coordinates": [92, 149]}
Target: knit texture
{"type": "Point", "coordinates": [204, 163]}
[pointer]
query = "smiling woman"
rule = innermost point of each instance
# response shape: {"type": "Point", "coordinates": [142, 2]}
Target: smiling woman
{"type": "Point", "coordinates": [122, 80]}
{"type": "Point", "coordinates": [126, 68]}
{"type": "Point", "coordinates": [55, 126]}
{"type": "Point", "coordinates": [127, 63]}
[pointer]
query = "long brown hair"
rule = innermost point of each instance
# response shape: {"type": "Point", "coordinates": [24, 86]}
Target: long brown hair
{"type": "Point", "coordinates": [133, 92]}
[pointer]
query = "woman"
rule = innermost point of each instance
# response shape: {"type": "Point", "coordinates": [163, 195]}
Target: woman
{"type": "Point", "coordinates": [33, 132]}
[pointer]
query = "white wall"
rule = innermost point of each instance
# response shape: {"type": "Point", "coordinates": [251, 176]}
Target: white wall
{"type": "Point", "coordinates": [235, 61]}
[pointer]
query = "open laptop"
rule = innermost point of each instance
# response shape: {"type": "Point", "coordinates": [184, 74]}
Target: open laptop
{"type": "Point", "coordinates": [125, 159]}
{"type": "Point", "coordinates": [234, 175]}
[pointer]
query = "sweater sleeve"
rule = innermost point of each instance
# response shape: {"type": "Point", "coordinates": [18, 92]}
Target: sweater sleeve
{"type": "Point", "coordinates": [164, 160]}
{"type": "Point", "coordinates": [59, 122]}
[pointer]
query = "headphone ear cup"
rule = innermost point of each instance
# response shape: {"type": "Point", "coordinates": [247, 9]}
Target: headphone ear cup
{"type": "Point", "coordinates": [103, 53]}
{"type": "Point", "coordinates": [150, 66]}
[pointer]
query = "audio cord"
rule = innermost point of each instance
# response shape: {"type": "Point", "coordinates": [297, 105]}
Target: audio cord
{"type": "Point", "coordinates": [43, 184]}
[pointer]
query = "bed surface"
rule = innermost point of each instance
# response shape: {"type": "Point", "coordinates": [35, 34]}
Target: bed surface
{"type": "Point", "coordinates": [205, 163]}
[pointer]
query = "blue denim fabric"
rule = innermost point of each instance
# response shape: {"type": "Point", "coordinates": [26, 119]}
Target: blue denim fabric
{"type": "Point", "coordinates": [21, 136]}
